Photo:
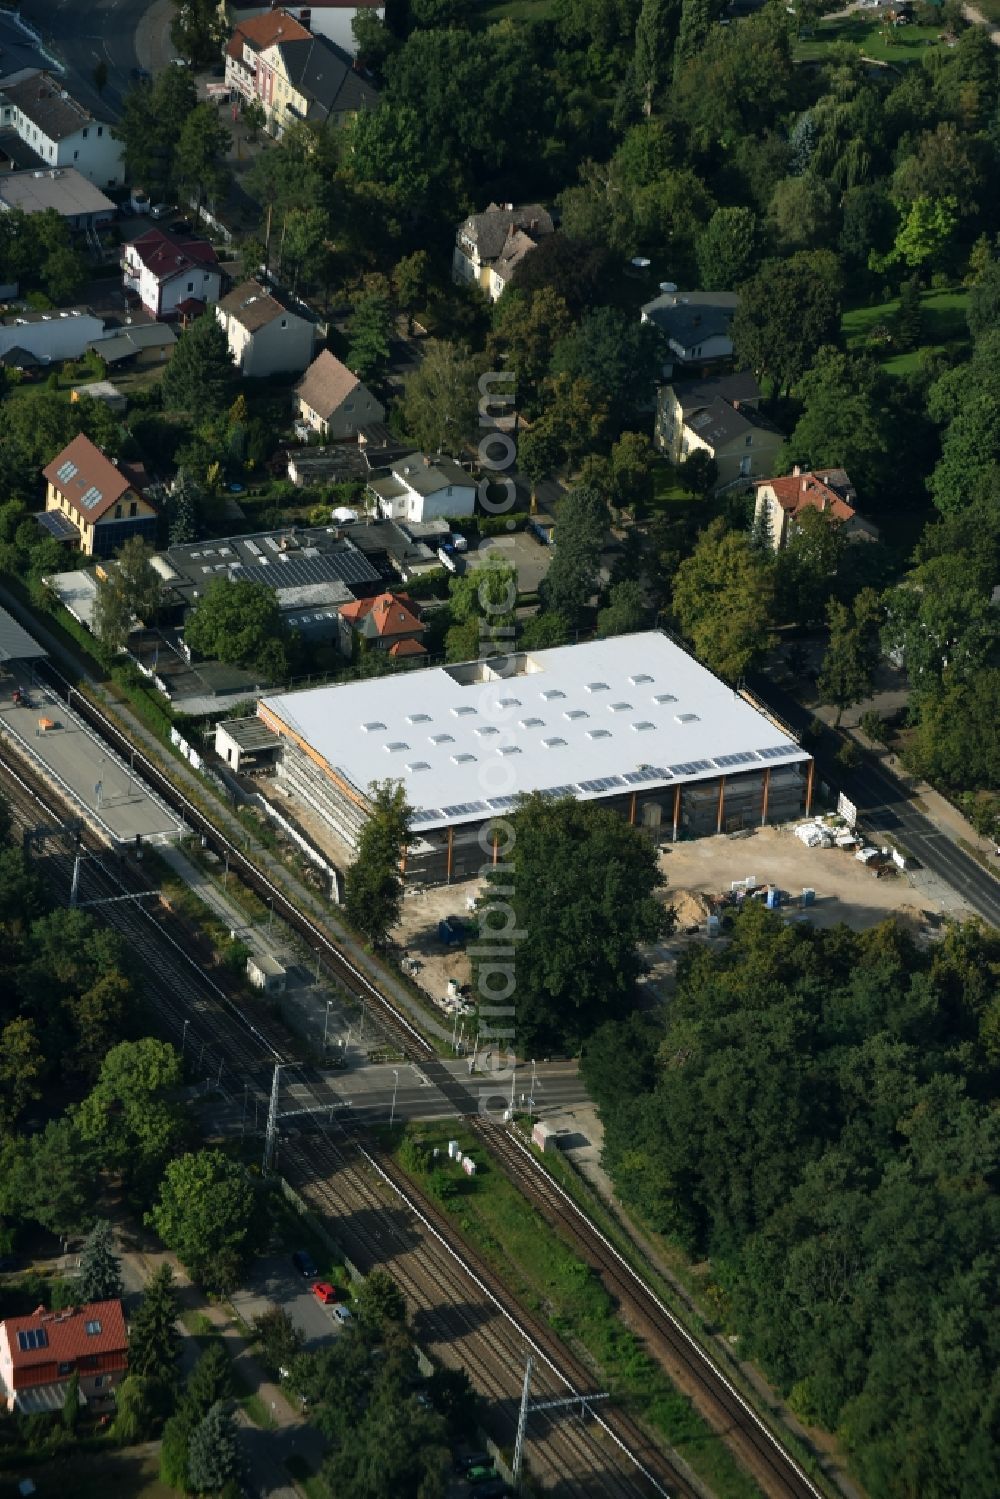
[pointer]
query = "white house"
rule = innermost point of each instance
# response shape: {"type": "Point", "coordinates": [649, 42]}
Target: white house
{"type": "Point", "coordinates": [265, 336]}
{"type": "Point", "coordinates": [329, 18]}
{"type": "Point", "coordinates": [420, 488]}
{"type": "Point", "coordinates": [172, 276]}
{"type": "Point", "coordinates": [332, 400]}
{"type": "Point", "coordinates": [489, 246]}
{"type": "Point", "coordinates": [59, 129]}
{"type": "Point", "coordinates": [63, 333]}
{"type": "Point", "coordinates": [696, 327]}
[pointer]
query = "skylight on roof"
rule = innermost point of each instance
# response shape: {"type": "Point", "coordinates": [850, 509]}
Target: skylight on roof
{"type": "Point", "coordinates": [573, 713]}
{"type": "Point", "coordinates": [639, 677]}
{"type": "Point", "coordinates": [685, 718]}
{"type": "Point", "coordinates": [619, 707]}
{"type": "Point", "coordinates": [441, 738]}
{"type": "Point", "coordinates": [508, 749]}
{"type": "Point", "coordinates": [395, 745]}
{"type": "Point", "coordinates": [463, 710]}
{"type": "Point", "coordinates": [643, 725]}
{"type": "Point", "coordinates": [485, 730]}
{"type": "Point", "coordinates": [415, 765]}
{"type": "Point", "coordinates": [550, 694]}
{"type": "Point", "coordinates": [661, 698]}
{"type": "Point", "coordinates": [91, 497]}
{"type": "Point", "coordinates": [373, 727]}
{"type": "Point", "coordinates": [554, 743]}
{"type": "Point", "coordinates": [462, 759]}
{"type": "Point", "coordinates": [596, 687]}
{"type": "Point", "coordinates": [531, 723]}
{"type": "Point", "coordinates": [418, 718]}
{"type": "Point", "coordinates": [598, 733]}
{"type": "Point", "coordinates": [93, 1328]}
{"type": "Point", "coordinates": [509, 702]}
{"type": "Point", "coordinates": [66, 470]}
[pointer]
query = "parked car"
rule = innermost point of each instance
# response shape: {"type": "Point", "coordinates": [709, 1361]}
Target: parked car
{"type": "Point", "coordinates": [480, 1474]}
{"type": "Point", "coordinates": [305, 1264]}
{"type": "Point", "coordinates": [324, 1292]}
{"type": "Point", "coordinates": [459, 542]}
{"type": "Point", "coordinates": [343, 1314]}
{"type": "Point", "coordinates": [160, 210]}
{"type": "Point", "coordinates": [140, 75]}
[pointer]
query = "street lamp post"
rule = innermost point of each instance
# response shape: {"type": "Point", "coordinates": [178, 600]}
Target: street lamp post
{"type": "Point", "coordinates": [513, 1080]}
{"type": "Point", "coordinates": [326, 1024]}
{"type": "Point", "coordinates": [532, 1082]}
{"type": "Point", "coordinates": [184, 1036]}
{"type": "Point", "coordinates": [270, 913]}
{"type": "Point", "coordinates": [392, 1112]}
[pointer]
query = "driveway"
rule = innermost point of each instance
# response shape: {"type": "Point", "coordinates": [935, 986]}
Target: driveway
{"type": "Point", "coordinates": [274, 1281]}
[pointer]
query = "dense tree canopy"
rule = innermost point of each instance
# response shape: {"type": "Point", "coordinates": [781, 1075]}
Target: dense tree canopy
{"type": "Point", "coordinates": [816, 1114]}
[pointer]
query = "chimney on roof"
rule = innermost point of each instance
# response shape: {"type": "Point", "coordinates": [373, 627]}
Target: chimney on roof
{"type": "Point", "coordinates": [736, 405]}
{"type": "Point", "coordinates": [796, 470]}
{"type": "Point", "coordinates": [804, 485]}
{"type": "Point", "coordinates": [509, 207]}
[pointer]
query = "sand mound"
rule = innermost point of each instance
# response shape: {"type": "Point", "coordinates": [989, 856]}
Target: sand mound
{"type": "Point", "coordinates": [691, 907]}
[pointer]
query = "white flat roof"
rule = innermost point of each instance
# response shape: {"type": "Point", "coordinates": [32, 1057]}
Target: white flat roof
{"type": "Point", "coordinates": [589, 721]}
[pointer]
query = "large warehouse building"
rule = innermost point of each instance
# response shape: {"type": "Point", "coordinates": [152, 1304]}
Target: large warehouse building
{"type": "Point", "coordinates": [633, 722]}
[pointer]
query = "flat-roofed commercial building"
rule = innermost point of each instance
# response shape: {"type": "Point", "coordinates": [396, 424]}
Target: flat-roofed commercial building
{"type": "Point", "coordinates": [633, 722]}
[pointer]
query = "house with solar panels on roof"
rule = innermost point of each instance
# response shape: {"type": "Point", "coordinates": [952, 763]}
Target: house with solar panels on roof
{"type": "Point", "coordinates": [94, 502]}
{"type": "Point", "coordinates": [40, 1354]}
{"type": "Point", "coordinates": [634, 723]}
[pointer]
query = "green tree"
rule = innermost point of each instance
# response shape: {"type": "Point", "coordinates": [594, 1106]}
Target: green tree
{"type": "Point", "coordinates": [574, 419]}
{"type": "Point", "coordinates": [154, 1340]}
{"type": "Point", "coordinates": [925, 236]}
{"type": "Point", "coordinates": [306, 247]}
{"type": "Point", "coordinates": [481, 605]}
{"type": "Point", "coordinates": [174, 1450]}
{"type": "Point", "coordinates": [799, 213]}
{"type": "Point", "coordinates": [132, 590]}
{"type": "Point", "coordinates": [527, 325]}
{"type": "Point", "coordinates": [728, 249]}
{"type": "Point", "coordinates": [582, 884]}
{"type": "Point", "coordinates": [409, 279]}
{"type": "Point", "coordinates": [200, 376]}
{"type": "Point", "coordinates": [846, 419]}
{"type": "Point", "coordinates": [440, 406]}
{"type": "Point", "coordinates": [63, 274]}
{"type": "Point", "coordinates": [254, 117]}
{"type": "Point", "coordinates": [955, 741]}
{"type": "Point", "coordinates": [941, 621]}
{"type": "Point", "coordinates": [370, 331]}
{"type": "Point", "coordinates": [204, 1214]}
{"type": "Point", "coordinates": [71, 1402]}
{"type": "Point", "coordinates": [983, 312]}
{"type": "Point", "coordinates": [847, 675]}
{"type": "Point", "coordinates": [807, 567]}
{"type": "Point", "coordinates": [197, 31]}
{"type": "Point", "coordinates": [133, 1411]}
{"type": "Point", "coordinates": [654, 34]}
{"type": "Point", "coordinates": [788, 310]}
{"type": "Point", "coordinates": [279, 1338]}
{"type": "Point", "coordinates": [130, 1117]}
{"type": "Point", "coordinates": [22, 1065]}
{"type": "Point", "coordinates": [626, 610]}
{"type": "Point", "coordinates": [632, 459]}
{"type": "Point", "coordinates": [100, 1276]}
{"type": "Point", "coordinates": [581, 527]}
{"type": "Point", "coordinates": [234, 622]}
{"type": "Point", "coordinates": [153, 117]}
{"type": "Point", "coordinates": [210, 1381]}
{"type": "Point", "coordinates": [723, 597]}
{"type": "Point", "coordinates": [380, 1300]}
{"type": "Point", "coordinates": [545, 631]}
{"type": "Point", "coordinates": [373, 893]}
{"type": "Point", "coordinates": [699, 473]}
{"type": "Point", "coordinates": [695, 24]}
{"type": "Point", "coordinates": [48, 1178]}
{"type": "Point", "coordinates": [909, 320]}
{"type": "Point", "coordinates": [212, 1454]}
{"type": "Point", "coordinates": [618, 358]}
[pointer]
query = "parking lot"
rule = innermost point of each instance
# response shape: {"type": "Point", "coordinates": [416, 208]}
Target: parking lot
{"type": "Point", "coordinates": [274, 1281]}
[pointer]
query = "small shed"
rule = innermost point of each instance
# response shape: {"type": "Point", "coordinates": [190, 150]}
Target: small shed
{"type": "Point", "coordinates": [267, 974]}
{"type": "Point", "coordinates": [545, 1136]}
{"type": "Point", "coordinates": [245, 742]}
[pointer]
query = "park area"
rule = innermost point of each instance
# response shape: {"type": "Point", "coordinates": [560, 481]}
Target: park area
{"type": "Point", "coordinates": [943, 316]}
{"type": "Point", "coordinates": [892, 46]}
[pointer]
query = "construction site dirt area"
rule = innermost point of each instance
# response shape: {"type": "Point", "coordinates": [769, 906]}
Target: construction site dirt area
{"type": "Point", "coordinates": [699, 876]}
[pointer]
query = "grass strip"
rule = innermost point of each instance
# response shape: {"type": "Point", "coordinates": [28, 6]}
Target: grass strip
{"type": "Point", "coordinates": [545, 1274]}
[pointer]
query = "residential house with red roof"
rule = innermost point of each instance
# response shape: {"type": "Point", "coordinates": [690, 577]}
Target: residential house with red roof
{"type": "Point", "coordinates": [173, 276]}
{"type": "Point", "coordinates": [254, 32]}
{"type": "Point", "coordinates": [328, 18]}
{"type": "Point", "coordinates": [389, 622]}
{"type": "Point", "coordinates": [99, 500]}
{"type": "Point", "coordinates": [332, 400]}
{"type": "Point", "coordinates": [41, 1353]}
{"type": "Point", "coordinates": [780, 502]}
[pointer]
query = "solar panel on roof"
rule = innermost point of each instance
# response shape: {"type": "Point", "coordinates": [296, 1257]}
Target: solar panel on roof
{"type": "Point", "coordinates": [648, 773]}
{"type": "Point", "coordinates": [532, 723]}
{"type": "Point", "coordinates": [722, 761]}
{"type": "Point", "coordinates": [373, 726]}
{"type": "Point", "coordinates": [619, 707]}
{"type": "Point", "coordinates": [426, 814]}
{"type": "Point", "coordinates": [776, 750]}
{"type": "Point", "coordinates": [691, 767]}
{"type": "Point", "coordinates": [557, 791]}
{"type": "Point", "coordinates": [596, 687]}
{"type": "Point", "coordinates": [685, 718]}
{"type": "Point", "coordinates": [601, 783]}
{"type": "Point", "coordinates": [30, 1338]}
{"type": "Point", "coordinates": [415, 765]}
{"type": "Point", "coordinates": [462, 809]}
{"type": "Point", "coordinates": [499, 802]}
{"type": "Point", "coordinates": [298, 570]}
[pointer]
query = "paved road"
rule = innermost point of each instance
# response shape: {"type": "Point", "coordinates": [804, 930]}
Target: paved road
{"type": "Point", "coordinates": [123, 34]}
{"type": "Point", "coordinates": [887, 805]}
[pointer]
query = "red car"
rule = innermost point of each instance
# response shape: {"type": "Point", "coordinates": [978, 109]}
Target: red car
{"type": "Point", "coordinates": [324, 1292]}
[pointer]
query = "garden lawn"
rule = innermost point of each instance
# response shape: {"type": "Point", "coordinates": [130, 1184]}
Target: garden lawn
{"type": "Point", "coordinates": [516, 10]}
{"type": "Point", "coordinates": [896, 45]}
{"type": "Point", "coordinates": [545, 1274]}
{"type": "Point", "coordinates": [944, 322]}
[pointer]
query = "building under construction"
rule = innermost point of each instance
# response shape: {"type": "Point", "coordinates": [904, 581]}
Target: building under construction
{"type": "Point", "coordinates": [633, 722]}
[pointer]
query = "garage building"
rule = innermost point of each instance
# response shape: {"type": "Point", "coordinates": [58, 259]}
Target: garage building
{"type": "Point", "coordinates": [634, 722]}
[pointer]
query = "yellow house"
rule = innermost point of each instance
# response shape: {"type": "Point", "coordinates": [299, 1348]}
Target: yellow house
{"type": "Point", "coordinates": [718, 415]}
{"type": "Point", "coordinates": [101, 500]}
{"type": "Point", "coordinates": [310, 80]}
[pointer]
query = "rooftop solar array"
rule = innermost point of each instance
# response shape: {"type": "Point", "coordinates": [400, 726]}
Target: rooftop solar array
{"type": "Point", "coordinates": [607, 718]}
{"type": "Point", "coordinates": [281, 562]}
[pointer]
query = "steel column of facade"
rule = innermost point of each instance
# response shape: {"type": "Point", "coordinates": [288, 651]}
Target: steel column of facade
{"type": "Point", "coordinates": [767, 792]}
{"type": "Point", "coordinates": [496, 846]}
{"type": "Point", "coordinates": [677, 809]}
{"type": "Point", "coordinates": [722, 805]}
{"type": "Point", "coordinates": [451, 849]}
{"type": "Point", "coordinates": [631, 815]}
{"type": "Point", "coordinates": [809, 787]}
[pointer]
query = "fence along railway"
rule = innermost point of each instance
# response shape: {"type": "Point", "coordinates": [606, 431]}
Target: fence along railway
{"type": "Point", "coordinates": [777, 1470]}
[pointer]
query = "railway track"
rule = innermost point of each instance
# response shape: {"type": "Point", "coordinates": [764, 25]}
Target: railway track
{"type": "Point", "coordinates": [714, 1394]}
{"type": "Point", "coordinates": [377, 1215]}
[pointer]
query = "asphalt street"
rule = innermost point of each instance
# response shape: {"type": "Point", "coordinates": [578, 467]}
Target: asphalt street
{"type": "Point", "coordinates": [81, 36]}
{"type": "Point", "coordinates": [886, 805]}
